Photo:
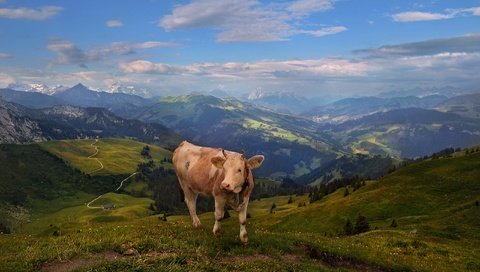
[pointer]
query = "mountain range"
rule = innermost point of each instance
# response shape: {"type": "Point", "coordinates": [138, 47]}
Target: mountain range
{"type": "Point", "coordinates": [290, 143]}
{"type": "Point", "coordinates": [294, 144]}
{"type": "Point", "coordinates": [355, 108]}
{"type": "Point", "coordinates": [23, 125]}
{"type": "Point", "coordinates": [285, 102]}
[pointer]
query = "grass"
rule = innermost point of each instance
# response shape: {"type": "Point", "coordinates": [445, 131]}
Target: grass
{"type": "Point", "coordinates": [436, 198]}
{"type": "Point", "coordinates": [119, 156]}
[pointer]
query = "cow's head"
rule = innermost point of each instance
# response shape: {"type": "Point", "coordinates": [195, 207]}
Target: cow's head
{"type": "Point", "coordinates": [236, 169]}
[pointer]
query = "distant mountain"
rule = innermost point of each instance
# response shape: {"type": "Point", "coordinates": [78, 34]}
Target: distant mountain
{"type": "Point", "coordinates": [465, 105]}
{"type": "Point", "coordinates": [423, 91]}
{"type": "Point", "coordinates": [40, 88]}
{"type": "Point", "coordinates": [291, 144]}
{"type": "Point", "coordinates": [34, 100]}
{"type": "Point", "coordinates": [354, 108]}
{"type": "Point", "coordinates": [22, 125]}
{"type": "Point", "coordinates": [128, 89]}
{"type": "Point", "coordinates": [285, 102]}
{"type": "Point", "coordinates": [409, 132]}
{"type": "Point", "coordinates": [119, 103]}
{"type": "Point", "coordinates": [16, 126]}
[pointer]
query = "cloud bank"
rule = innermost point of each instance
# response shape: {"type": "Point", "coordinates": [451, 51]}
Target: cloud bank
{"type": "Point", "coordinates": [30, 14]}
{"type": "Point", "coordinates": [249, 20]}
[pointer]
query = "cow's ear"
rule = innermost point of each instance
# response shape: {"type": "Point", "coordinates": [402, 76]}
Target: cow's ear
{"type": "Point", "coordinates": [218, 161]}
{"type": "Point", "coordinates": [255, 161]}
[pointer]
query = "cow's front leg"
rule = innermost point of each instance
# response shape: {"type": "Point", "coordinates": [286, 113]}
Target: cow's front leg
{"type": "Point", "coordinates": [219, 213]}
{"type": "Point", "coordinates": [242, 218]}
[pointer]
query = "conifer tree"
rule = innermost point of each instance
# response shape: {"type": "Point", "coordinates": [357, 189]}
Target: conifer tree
{"type": "Point", "coordinates": [348, 228]}
{"type": "Point", "coordinates": [361, 225]}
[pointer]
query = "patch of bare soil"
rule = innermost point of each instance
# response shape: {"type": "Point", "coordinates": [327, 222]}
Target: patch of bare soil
{"type": "Point", "coordinates": [340, 261]}
{"type": "Point", "coordinates": [69, 265]}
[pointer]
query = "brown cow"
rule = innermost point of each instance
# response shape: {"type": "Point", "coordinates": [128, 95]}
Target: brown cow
{"type": "Point", "coordinates": [224, 175]}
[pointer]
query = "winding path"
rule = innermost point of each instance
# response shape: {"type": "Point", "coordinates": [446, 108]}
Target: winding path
{"type": "Point", "coordinates": [93, 155]}
{"type": "Point", "coordinates": [101, 164]}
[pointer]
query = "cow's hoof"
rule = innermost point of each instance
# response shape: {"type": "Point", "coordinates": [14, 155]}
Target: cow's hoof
{"type": "Point", "coordinates": [216, 232]}
{"type": "Point", "coordinates": [198, 226]}
{"type": "Point", "coordinates": [244, 239]}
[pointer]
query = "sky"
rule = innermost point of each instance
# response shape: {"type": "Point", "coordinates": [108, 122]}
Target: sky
{"type": "Point", "coordinates": [308, 47]}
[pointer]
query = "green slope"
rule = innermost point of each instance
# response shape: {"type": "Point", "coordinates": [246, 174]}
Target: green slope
{"type": "Point", "coordinates": [291, 144]}
{"type": "Point", "coordinates": [118, 156]}
{"type": "Point", "coordinates": [436, 198]}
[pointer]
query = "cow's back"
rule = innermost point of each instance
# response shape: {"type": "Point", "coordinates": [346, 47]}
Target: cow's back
{"type": "Point", "coordinates": [194, 168]}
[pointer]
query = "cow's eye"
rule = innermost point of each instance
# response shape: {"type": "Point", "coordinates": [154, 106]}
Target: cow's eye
{"type": "Point", "coordinates": [239, 170]}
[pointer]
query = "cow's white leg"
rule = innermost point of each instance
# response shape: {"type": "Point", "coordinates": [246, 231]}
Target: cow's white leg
{"type": "Point", "coordinates": [242, 218]}
{"type": "Point", "coordinates": [219, 213]}
{"type": "Point", "coordinates": [191, 201]}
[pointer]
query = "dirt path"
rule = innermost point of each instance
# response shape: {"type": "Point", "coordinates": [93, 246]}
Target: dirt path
{"type": "Point", "coordinates": [93, 155]}
{"type": "Point", "coordinates": [121, 183]}
{"type": "Point", "coordinates": [98, 197]}
{"type": "Point", "coordinates": [101, 167]}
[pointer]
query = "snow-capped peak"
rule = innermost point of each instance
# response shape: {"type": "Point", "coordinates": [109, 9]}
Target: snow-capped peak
{"type": "Point", "coordinates": [36, 87]}
{"type": "Point", "coordinates": [128, 89]}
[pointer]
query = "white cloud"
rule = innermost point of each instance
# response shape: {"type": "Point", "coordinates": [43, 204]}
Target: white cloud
{"type": "Point", "coordinates": [475, 11]}
{"type": "Point", "coordinates": [129, 47]}
{"type": "Point", "coordinates": [266, 69]}
{"type": "Point", "coordinates": [305, 7]}
{"type": "Point", "coordinates": [114, 23]}
{"type": "Point", "coordinates": [147, 67]}
{"type": "Point", "coordinates": [68, 52]}
{"type": "Point", "coordinates": [245, 20]}
{"type": "Point", "coordinates": [324, 31]}
{"type": "Point", "coordinates": [415, 16]}
{"type": "Point", "coordinates": [6, 79]}
{"type": "Point", "coordinates": [6, 56]}
{"type": "Point", "coordinates": [30, 14]}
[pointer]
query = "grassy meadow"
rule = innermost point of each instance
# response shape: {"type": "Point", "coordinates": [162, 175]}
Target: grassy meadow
{"type": "Point", "coordinates": [433, 203]}
{"type": "Point", "coordinates": [118, 156]}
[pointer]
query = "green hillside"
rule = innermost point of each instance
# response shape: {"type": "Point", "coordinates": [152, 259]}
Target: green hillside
{"type": "Point", "coordinates": [433, 202]}
{"type": "Point", "coordinates": [118, 156]}
{"type": "Point", "coordinates": [291, 144]}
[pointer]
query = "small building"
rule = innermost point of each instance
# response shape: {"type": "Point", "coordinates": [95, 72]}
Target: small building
{"type": "Point", "coordinates": [108, 207]}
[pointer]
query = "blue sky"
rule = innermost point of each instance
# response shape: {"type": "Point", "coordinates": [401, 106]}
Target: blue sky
{"type": "Point", "coordinates": [310, 47]}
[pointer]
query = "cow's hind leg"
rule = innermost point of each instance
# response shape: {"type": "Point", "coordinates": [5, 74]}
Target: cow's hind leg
{"type": "Point", "coordinates": [242, 218]}
{"type": "Point", "coordinates": [219, 213]}
{"type": "Point", "coordinates": [191, 201]}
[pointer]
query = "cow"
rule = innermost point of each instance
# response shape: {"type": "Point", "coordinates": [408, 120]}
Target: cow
{"type": "Point", "coordinates": [224, 175]}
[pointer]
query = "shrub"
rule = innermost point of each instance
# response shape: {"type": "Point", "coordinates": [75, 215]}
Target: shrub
{"type": "Point", "coordinates": [348, 228]}
{"type": "Point", "coordinates": [361, 225]}
{"type": "Point", "coordinates": [346, 193]}
{"type": "Point", "coordinates": [272, 207]}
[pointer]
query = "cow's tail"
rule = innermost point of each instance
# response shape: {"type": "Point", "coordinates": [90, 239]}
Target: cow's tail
{"type": "Point", "coordinates": [182, 195]}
